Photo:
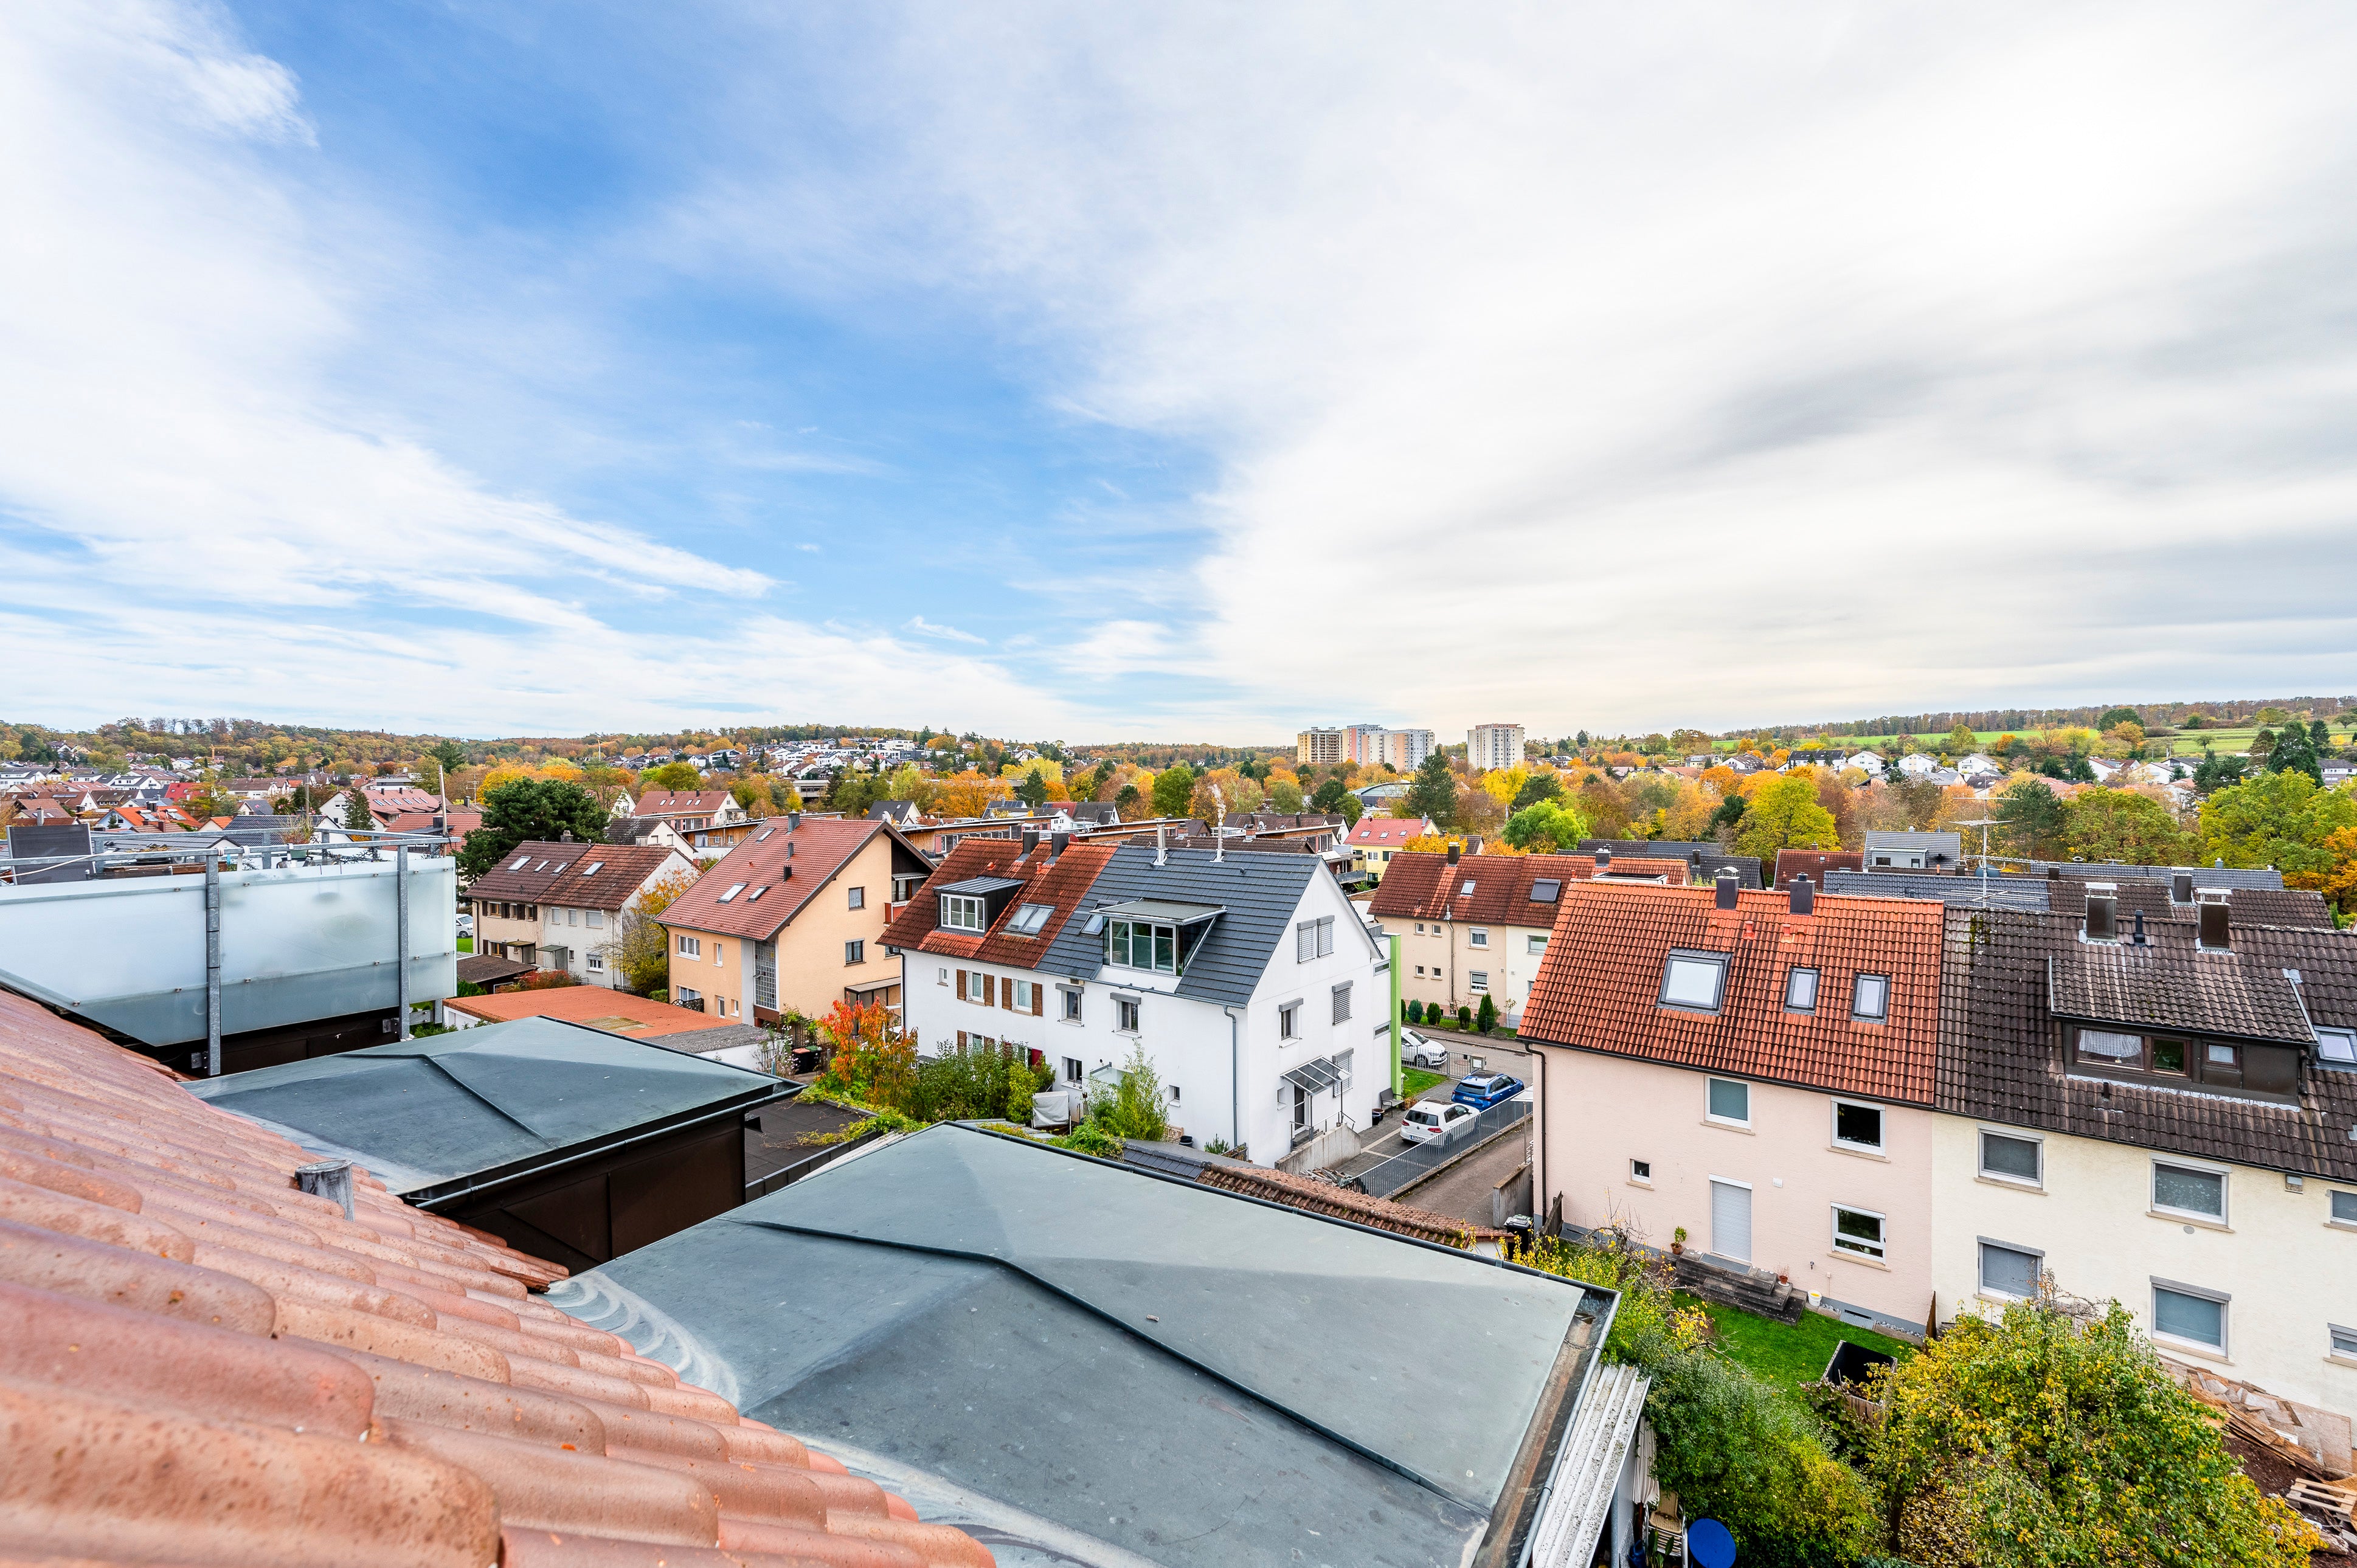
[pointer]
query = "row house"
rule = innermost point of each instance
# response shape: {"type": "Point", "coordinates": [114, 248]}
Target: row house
{"type": "Point", "coordinates": [1912, 1110]}
{"type": "Point", "coordinates": [1376, 840]}
{"type": "Point", "coordinates": [704, 820]}
{"type": "Point", "coordinates": [793, 920]}
{"type": "Point", "coordinates": [1478, 926]}
{"type": "Point", "coordinates": [558, 906]}
{"type": "Point", "coordinates": [1249, 982]}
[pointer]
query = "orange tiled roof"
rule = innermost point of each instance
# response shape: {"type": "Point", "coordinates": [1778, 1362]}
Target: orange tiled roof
{"type": "Point", "coordinates": [201, 1364]}
{"type": "Point", "coordinates": [1061, 881]}
{"type": "Point", "coordinates": [1600, 985]}
{"type": "Point", "coordinates": [616, 1012]}
{"type": "Point", "coordinates": [1420, 885]}
{"type": "Point", "coordinates": [681, 803]}
{"type": "Point", "coordinates": [821, 845]}
{"type": "Point", "coordinates": [1380, 831]}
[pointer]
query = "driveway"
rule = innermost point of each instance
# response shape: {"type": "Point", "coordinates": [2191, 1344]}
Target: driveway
{"type": "Point", "coordinates": [1500, 1055]}
{"type": "Point", "coordinates": [1462, 1191]}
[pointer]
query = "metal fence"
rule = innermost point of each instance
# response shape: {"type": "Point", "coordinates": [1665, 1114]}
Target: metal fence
{"type": "Point", "coordinates": [1417, 1161]}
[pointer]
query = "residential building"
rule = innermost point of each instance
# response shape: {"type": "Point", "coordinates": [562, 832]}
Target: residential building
{"type": "Point", "coordinates": [1493, 746]}
{"type": "Point", "coordinates": [1322, 747]}
{"type": "Point", "coordinates": [1758, 1069]}
{"type": "Point", "coordinates": [1705, 860]}
{"type": "Point", "coordinates": [1814, 864]}
{"type": "Point", "coordinates": [1405, 750]}
{"type": "Point", "coordinates": [793, 920]}
{"type": "Point", "coordinates": [558, 906]}
{"type": "Point", "coordinates": [1478, 925]}
{"type": "Point", "coordinates": [1914, 851]}
{"type": "Point", "coordinates": [707, 819]}
{"type": "Point", "coordinates": [1916, 764]}
{"type": "Point", "coordinates": [646, 830]}
{"type": "Point", "coordinates": [1376, 839]}
{"type": "Point", "coordinates": [2158, 1112]}
{"type": "Point", "coordinates": [1249, 980]}
{"type": "Point", "coordinates": [1869, 763]}
{"type": "Point", "coordinates": [1363, 743]}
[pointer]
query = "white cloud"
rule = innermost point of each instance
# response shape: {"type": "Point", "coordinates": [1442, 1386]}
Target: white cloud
{"type": "Point", "coordinates": [924, 627]}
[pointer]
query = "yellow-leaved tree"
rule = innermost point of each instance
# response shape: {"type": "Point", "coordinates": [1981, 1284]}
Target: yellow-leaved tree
{"type": "Point", "coordinates": [641, 950]}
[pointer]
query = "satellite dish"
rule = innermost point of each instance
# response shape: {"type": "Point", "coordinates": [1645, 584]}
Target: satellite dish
{"type": "Point", "coordinates": [1709, 1545]}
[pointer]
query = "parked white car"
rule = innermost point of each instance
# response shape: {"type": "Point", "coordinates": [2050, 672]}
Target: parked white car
{"type": "Point", "coordinates": [1433, 1119]}
{"type": "Point", "coordinates": [1416, 1050]}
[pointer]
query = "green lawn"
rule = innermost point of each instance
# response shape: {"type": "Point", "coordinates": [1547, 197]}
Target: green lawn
{"type": "Point", "coordinates": [466, 944]}
{"type": "Point", "coordinates": [1419, 1081]}
{"type": "Point", "coordinates": [1787, 1357]}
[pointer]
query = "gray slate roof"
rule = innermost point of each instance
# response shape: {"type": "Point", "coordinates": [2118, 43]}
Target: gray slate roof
{"type": "Point", "coordinates": [1948, 844]}
{"type": "Point", "coordinates": [1702, 858]}
{"type": "Point", "coordinates": [2000, 892]}
{"type": "Point", "coordinates": [2204, 875]}
{"type": "Point", "coordinates": [1260, 893]}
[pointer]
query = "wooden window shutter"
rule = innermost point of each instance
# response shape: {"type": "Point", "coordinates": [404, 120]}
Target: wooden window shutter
{"type": "Point", "coordinates": [961, 1039]}
{"type": "Point", "coordinates": [1038, 1000]}
{"type": "Point", "coordinates": [961, 989]}
{"type": "Point", "coordinates": [1006, 995]}
{"type": "Point", "coordinates": [989, 990]}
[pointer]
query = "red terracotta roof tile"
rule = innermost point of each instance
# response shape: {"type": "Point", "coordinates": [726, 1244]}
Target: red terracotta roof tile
{"type": "Point", "coordinates": [822, 846]}
{"type": "Point", "coordinates": [1060, 881]}
{"type": "Point", "coordinates": [1814, 864]}
{"type": "Point", "coordinates": [1382, 832]}
{"type": "Point", "coordinates": [1599, 987]}
{"type": "Point", "coordinates": [681, 803]}
{"type": "Point", "coordinates": [545, 872]}
{"type": "Point", "coordinates": [200, 1364]}
{"type": "Point", "coordinates": [1420, 885]}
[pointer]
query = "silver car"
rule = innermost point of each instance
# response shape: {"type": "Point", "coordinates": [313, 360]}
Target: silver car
{"type": "Point", "coordinates": [1433, 1118]}
{"type": "Point", "coordinates": [1416, 1050]}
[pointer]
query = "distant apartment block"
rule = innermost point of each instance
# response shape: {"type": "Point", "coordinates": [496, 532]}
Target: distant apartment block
{"type": "Point", "coordinates": [1493, 746]}
{"type": "Point", "coordinates": [1366, 744]}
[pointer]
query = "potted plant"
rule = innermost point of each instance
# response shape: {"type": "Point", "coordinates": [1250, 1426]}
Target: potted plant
{"type": "Point", "coordinates": [1678, 1242]}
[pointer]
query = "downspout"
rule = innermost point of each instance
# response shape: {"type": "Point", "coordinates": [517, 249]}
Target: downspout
{"type": "Point", "coordinates": [1398, 1082]}
{"type": "Point", "coordinates": [1235, 1084]}
{"type": "Point", "coordinates": [1539, 1135]}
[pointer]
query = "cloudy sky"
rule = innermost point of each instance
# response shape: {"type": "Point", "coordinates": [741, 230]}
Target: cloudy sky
{"type": "Point", "coordinates": [1191, 371]}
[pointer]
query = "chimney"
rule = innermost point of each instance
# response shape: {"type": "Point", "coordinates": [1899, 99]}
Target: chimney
{"type": "Point", "coordinates": [2103, 912]}
{"type": "Point", "coordinates": [2053, 873]}
{"type": "Point", "coordinates": [1058, 842]}
{"type": "Point", "coordinates": [1727, 884]}
{"type": "Point", "coordinates": [565, 837]}
{"type": "Point", "coordinates": [2180, 888]}
{"type": "Point", "coordinates": [1161, 845]}
{"type": "Point", "coordinates": [1804, 895]}
{"type": "Point", "coordinates": [793, 821]}
{"type": "Point", "coordinates": [1454, 851]}
{"type": "Point", "coordinates": [2138, 939]}
{"type": "Point", "coordinates": [2214, 928]}
{"type": "Point", "coordinates": [1603, 859]}
{"type": "Point", "coordinates": [789, 849]}
{"type": "Point", "coordinates": [1030, 840]}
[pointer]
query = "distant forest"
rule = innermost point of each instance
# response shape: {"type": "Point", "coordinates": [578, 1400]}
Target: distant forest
{"type": "Point", "coordinates": [2228, 714]}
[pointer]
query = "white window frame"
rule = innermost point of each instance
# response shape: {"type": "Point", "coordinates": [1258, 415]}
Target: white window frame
{"type": "Point", "coordinates": [1537, 948]}
{"type": "Point", "coordinates": [963, 912]}
{"type": "Point", "coordinates": [1075, 1071]}
{"type": "Point", "coordinates": [1289, 1021]}
{"type": "Point", "coordinates": [2334, 1350]}
{"type": "Point", "coordinates": [1069, 1010]}
{"type": "Point", "coordinates": [719, 953]}
{"type": "Point", "coordinates": [596, 963]}
{"type": "Point", "coordinates": [1714, 1117]}
{"type": "Point", "coordinates": [857, 897]}
{"type": "Point", "coordinates": [1792, 982]}
{"type": "Point", "coordinates": [1640, 1172]}
{"type": "Point", "coordinates": [1980, 1157]}
{"type": "Point", "coordinates": [1128, 1015]}
{"type": "Point", "coordinates": [1980, 1264]}
{"type": "Point", "coordinates": [1881, 1122]}
{"type": "Point", "coordinates": [2225, 1304]}
{"type": "Point", "coordinates": [2193, 1167]}
{"type": "Point", "coordinates": [941, 976]}
{"type": "Point", "coordinates": [691, 946]}
{"type": "Point", "coordinates": [1851, 1246]}
{"type": "Point", "coordinates": [1476, 936]}
{"type": "Point", "coordinates": [1477, 980]}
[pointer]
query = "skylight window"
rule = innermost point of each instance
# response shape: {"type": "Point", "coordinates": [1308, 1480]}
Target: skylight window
{"type": "Point", "coordinates": [2337, 1047]}
{"type": "Point", "coordinates": [733, 889]}
{"type": "Point", "coordinates": [1694, 980]}
{"type": "Point", "coordinates": [1029, 918]}
{"type": "Point", "coordinates": [1869, 997]}
{"type": "Point", "coordinates": [520, 864]}
{"type": "Point", "coordinates": [1465, 891]}
{"type": "Point", "coordinates": [1800, 991]}
{"type": "Point", "coordinates": [592, 869]}
{"type": "Point", "coordinates": [1095, 926]}
{"type": "Point", "coordinates": [1546, 890]}
{"type": "Point", "coordinates": [755, 896]}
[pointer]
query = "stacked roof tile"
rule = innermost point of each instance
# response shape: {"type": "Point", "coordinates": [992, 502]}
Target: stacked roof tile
{"type": "Point", "coordinates": [1060, 881]}
{"type": "Point", "coordinates": [200, 1364]}
{"type": "Point", "coordinates": [1602, 984]}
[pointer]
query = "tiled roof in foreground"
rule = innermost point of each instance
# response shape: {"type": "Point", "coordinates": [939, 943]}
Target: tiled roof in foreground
{"type": "Point", "coordinates": [202, 1365]}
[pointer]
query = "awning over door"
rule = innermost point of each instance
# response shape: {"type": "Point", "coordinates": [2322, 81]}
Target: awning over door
{"type": "Point", "coordinates": [1312, 1077]}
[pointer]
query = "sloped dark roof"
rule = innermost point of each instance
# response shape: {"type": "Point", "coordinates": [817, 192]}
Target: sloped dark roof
{"type": "Point", "coordinates": [1259, 893]}
{"type": "Point", "coordinates": [2246, 906]}
{"type": "Point", "coordinates": [1422, 885]}
{"type": "Point", "coordinates": [2166, 986]}
{"type": "Point", "coordinates": [1599, 987]}
{"type": "Point", "coordinates": [1814, 864]}
{"type": "Point", "coordinates": [1996, 892]}
{"type": "Point", "coordinates": [2204, 875]}
{"type": "Point", "coordinates": [559, 873]}
{"type": "Point", "coordinates": [2001, 1047]}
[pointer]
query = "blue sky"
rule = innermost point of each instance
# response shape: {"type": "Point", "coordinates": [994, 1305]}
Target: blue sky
{"type": "Point", "coordinates": [1185, 371]}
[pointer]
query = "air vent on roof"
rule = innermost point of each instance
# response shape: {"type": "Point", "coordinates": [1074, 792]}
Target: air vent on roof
{"type": "Point", "coordinates": [733, 889]}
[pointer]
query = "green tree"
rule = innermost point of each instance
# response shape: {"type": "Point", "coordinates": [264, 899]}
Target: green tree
{"type": "Point", "coordinates": [1329, 796]}
{"type": "Point", "coordinates": [2120, 824]}
{"type": "Point", "coordinates": [854, 791]}
{"type": "Point", "coordinates": [1784, 814]}
{"type": "Point", "coordinates": [2036, 1441]}
{"type": "Point", "coordinates": [2029, 820]}
{"type": "Point", "coordinates": [2214, 772]}
{"type": "Point", "coordinates": [1433, 792]}
{"type": "Point", "coordinates": [2294, 752]}
{"type": "Point", "coordinates": [1485, 1017]}
{"type": "Point", "coordinates": [358, 814]}
{"type": "Point", "coordinates": [2277, 819]}
{"type": "Point", "coordinates": [1032, 790]}
{"type": "Point", "coordinates": [1135, 1109]}
{"type": "Point", "coordinates": [1918, 800]}
{"type": "Point", "coordinates": [1960, 739]}
{"type": "Point", "coordinates": [1128, 805]}
{"type": "Point", "coordinates": [1174, 788]}
{"type": "Point", "coordinates": [671, 775]}
{"type": "Point", "coordinates": [528, 809]}
{"type": "Point", "coordinates": [1545, 827]}
{"type": "Point", "coordinates": [1540, 787]}
{"type": "Point", "coordinates": [1285, 795]}
{"type": "Point", "coordinates": [2120, 716]}
{"type": "Point", "coordinates": [641, 950]}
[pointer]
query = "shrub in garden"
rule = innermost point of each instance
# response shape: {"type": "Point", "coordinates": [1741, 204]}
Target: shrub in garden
{"type": "Point", "coordinates": [1487, 1019]}
{"type": "Point", "coordinates": [1416, 1012]}
{"type": "Point", "coordinates": [1464, 1017]}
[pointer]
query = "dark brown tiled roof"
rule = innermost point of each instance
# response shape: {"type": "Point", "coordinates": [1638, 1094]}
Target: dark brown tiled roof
{"type": "Point", "coordinates": [2252, 906]}
{"type": "Point", "coordinates": [559, 873]}
{"type": "Point", "coordinates": [1600, 985]}
{"type": "Point", "coordinates": [1814, 864]}
{"type": "Point", "coordinates": [1061, 881]}
{"type": "Point", "coordinates": [201, 1364]}
{"type": "Point", "coordinates": [2166, 986]}
{"type": "Point", "coordinates": [2001, 1049]}
{"type": "Point", "coordinates": [822, 846]}
{"type": "Point", "coordinates": [1341, 1203]}
{"type": "Point", "coordinates": [1420, 885]}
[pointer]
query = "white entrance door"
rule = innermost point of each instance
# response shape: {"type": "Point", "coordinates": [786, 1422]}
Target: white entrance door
{"type": "Point", "coordinates": [1730, 1220]}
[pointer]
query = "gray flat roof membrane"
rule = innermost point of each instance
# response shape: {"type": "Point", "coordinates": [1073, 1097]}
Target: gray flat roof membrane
{"type": "Point", "coordinates": [462, 1106]}
{"type": "Point", "coordinates": [1168, 1369]}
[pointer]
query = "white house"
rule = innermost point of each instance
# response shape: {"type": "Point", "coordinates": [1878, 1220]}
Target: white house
{"type": "Point", "coordinates": [1866, 762]}
{"type": "Point", "coordinates": [1253, 985]}
{"type": "Point", "coordinates": [1915, 764]}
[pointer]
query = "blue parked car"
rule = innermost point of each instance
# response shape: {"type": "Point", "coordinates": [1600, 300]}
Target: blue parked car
{"type": "Point", "coordinates": [1483, 1089]}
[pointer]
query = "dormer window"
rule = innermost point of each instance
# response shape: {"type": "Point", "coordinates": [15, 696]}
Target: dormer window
{"type": "Point", "coordinates": [1144, 944]}
{"type": "Point", "coordinates": [962, 913]}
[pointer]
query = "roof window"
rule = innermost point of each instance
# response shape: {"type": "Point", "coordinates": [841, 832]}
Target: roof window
{"type": "Point", "coordinates": [1029, 918]}
{"type": "Point", "coordinates": [520, 864]}
{"type": "Point", "coordinates": [1546, 890]}
{"type": "Point", "coordinates": [733, 889]}
{"type": "Point", "coordinates": [592, 869]}
{"type": "Point", "coordinates": [755, 896]}
{"type": "Point", "coordinates": [1694, 980]}
{"type": "Point", "coordinates": [1869, 997]}
{"type": "Point", "coordinates": [2337, 1047]}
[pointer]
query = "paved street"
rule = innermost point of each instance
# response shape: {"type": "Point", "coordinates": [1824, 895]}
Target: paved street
{"type": "Point", "coordinates": [1499, 1055]}
{"type": "Point", "coordinates": [1462, 1191]}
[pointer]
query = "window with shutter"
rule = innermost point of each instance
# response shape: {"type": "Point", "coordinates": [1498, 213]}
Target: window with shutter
{"type": "Point", "coordinates": [1039, 1002]}
{"type": "Point", "coordinates": [1326, 937]}
{"type": "Point", "coordinates": [1007, 994]}
{"type": "Point", "coordinates": [961, 986]}
{"type": "Point", "coordinates": [990, 991]}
